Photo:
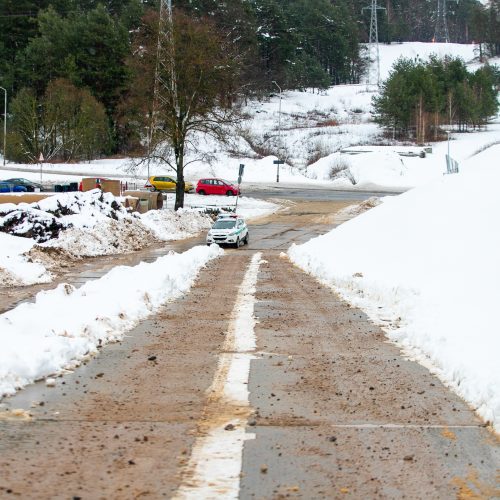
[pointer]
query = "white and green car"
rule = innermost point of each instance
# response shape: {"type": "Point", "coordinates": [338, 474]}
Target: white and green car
{"type": "Point", "coordinates": [228, 230]}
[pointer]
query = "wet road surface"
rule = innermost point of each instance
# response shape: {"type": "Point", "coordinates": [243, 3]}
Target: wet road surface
{"type": "Point", "coordinates": [334, 410]}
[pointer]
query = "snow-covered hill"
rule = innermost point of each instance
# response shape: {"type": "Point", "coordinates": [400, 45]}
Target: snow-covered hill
{"type": "Point", "coordinates": [314, 129]}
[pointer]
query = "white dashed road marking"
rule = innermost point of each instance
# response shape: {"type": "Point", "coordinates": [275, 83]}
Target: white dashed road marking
{"type": "Point", "coordinates": [214, 469]}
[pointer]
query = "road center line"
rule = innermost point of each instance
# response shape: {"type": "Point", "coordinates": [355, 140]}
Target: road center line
{"type": "Point", "coordinates": [214, 469]}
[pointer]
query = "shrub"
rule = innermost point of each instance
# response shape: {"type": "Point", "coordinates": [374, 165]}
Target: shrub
{"type": "Point", "coordinates": [341, 168]}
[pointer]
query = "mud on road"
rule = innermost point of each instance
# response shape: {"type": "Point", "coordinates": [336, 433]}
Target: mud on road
{"type": "Point", "coordinates": [335, 409]}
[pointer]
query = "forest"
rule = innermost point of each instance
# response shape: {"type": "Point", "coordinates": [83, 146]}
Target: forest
{"type": "Point", "coordinates": [78, 73]}
{"type": "Point", "coordinates": [420, 100]}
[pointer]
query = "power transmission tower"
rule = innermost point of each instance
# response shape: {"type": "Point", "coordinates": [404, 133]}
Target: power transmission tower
{"type": "Point", "coordinates": [441, 33]}
{"type": "Point", "coordinates": [373, 74]}
{"type": "Point", "coordinates": [165, 61]}
{"type": "Point", "coordinates": [165, 87]}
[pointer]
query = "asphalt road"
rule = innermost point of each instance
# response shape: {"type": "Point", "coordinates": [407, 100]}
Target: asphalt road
{"type": "Point", "coordinates": [311, 401]}
{"type": "Point", "coordinates": [311, 192]}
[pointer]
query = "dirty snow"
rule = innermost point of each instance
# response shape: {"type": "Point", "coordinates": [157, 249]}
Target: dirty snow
{"type": "Point", "coordinates": [71, 324]}
{"type": "Point", "coordinates": [16, 269]}
{"type": "Point", "coordinates": [76, 225]}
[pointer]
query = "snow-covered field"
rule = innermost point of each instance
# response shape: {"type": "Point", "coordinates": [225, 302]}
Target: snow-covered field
{"type": "Point", "coordinates": [423, 265]}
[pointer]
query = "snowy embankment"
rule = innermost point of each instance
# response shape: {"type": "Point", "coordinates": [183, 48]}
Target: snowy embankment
{"type": "Point", "coordinates": [71, 324]}
{"type": "Point", "coordinates": [425, 266]}
{"type": "Point", "coordinates": [310, 131]}
{"type": "Point", "coordinates": [76, 225]}
{"type": "Point", "coordinates": [15, 268]}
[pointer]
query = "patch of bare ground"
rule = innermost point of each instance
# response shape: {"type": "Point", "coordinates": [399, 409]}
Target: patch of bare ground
{"type": "Point", "coordinates": [354, 210]}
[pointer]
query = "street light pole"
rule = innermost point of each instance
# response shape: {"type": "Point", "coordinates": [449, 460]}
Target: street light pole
{"type": "Point", "coordinates": [279, 134]}
{"type": "Point", "coordinates": [4, 125]}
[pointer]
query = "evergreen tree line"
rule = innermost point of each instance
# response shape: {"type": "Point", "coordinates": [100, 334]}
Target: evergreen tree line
{"type": "Point", "coordinates": [421, 99]}
{"type": "Point", "coordinates": [415, 20]}
{"type": "Point", "coordinates": [90, 45]}
{"type": "Point", "coordinates": [86, 51]}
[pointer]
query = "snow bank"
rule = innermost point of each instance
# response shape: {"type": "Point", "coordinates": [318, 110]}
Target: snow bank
{"type": "Point", "coordinates": [44, 220]}
{"type": "Point", "coordinates": [76, 225]}
{"type": "Point", "coordinates": [169, 225]}
{"type": "Point", "coordinates": [425, 266]}
{"type": "Point", "coordinates": [248, 208]}
{"type": "Point", "coordinates": [65, 326]}
{"type": "Point", "coordinates": [16, 269]}
{"type": "Point", "coordinates": [378, 168]}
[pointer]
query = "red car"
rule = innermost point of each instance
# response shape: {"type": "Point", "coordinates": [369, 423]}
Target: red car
{"type": "Point", "coordinates": [217, 186]}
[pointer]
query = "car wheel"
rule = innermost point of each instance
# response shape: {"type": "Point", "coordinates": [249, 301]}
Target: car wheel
{"type": "Point", "coordinates": [202, 192]}
{"type": "Point", "coordinates": [245, 241]}
{"type": "Point", "coordinates": [229, 193]}
{"type": "Point", "coordinates": [237, 244]}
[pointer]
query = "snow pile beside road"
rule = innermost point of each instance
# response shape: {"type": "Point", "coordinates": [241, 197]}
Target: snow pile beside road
{"type": "Point", "coordinates": [425, 266]}
{"type": "Point", "coordinates": [45, 219]}
{"type": "Point", "coordinates": [110, 237]}
{"type": "Point", "coordinates": [71, 226]}
{"type": "Point", "coordinates": [65, 326]}
{"type": "Point", "coordinates": [248, 208]}
{"type": "Point", "coordinates": [169, 225]}
{"type": "Point", "coordinates": [14, 268]}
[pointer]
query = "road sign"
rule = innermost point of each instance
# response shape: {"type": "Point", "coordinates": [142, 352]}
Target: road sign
{"type": "Point", "coordinates": [278, 163]}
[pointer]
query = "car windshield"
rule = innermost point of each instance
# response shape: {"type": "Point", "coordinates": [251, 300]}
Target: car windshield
{"type": "Point", "coordinates": [226, 182]}
{"type": "Point", "coordinates": [224, 224]}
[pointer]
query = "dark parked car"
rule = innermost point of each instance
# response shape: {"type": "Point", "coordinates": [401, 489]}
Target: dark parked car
{"type": "Point", "coordinates": [8, 187]}
{"type": "Point", "coordinates": [30, 186]}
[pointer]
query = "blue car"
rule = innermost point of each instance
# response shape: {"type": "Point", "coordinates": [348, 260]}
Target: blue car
{"type": "Point", "coordinates": [30, 186]}
{"type": "Point", "coordinates": [7, 187]}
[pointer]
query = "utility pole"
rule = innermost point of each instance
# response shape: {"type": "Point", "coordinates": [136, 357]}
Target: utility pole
{"type": "Point", "coordinates": [164, 66]}
{"type": "Point", "coordinates": [373, 77]}
{"type": "Point", "coordinates": [441, 33]}
{"type": "Point", "coordinates": [4, 125]}
{"type": "Point", "coordinates": [279, 135]}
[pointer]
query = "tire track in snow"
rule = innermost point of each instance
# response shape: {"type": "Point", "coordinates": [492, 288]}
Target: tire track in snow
{"type": "Point", "coordinates": [215, 465]}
